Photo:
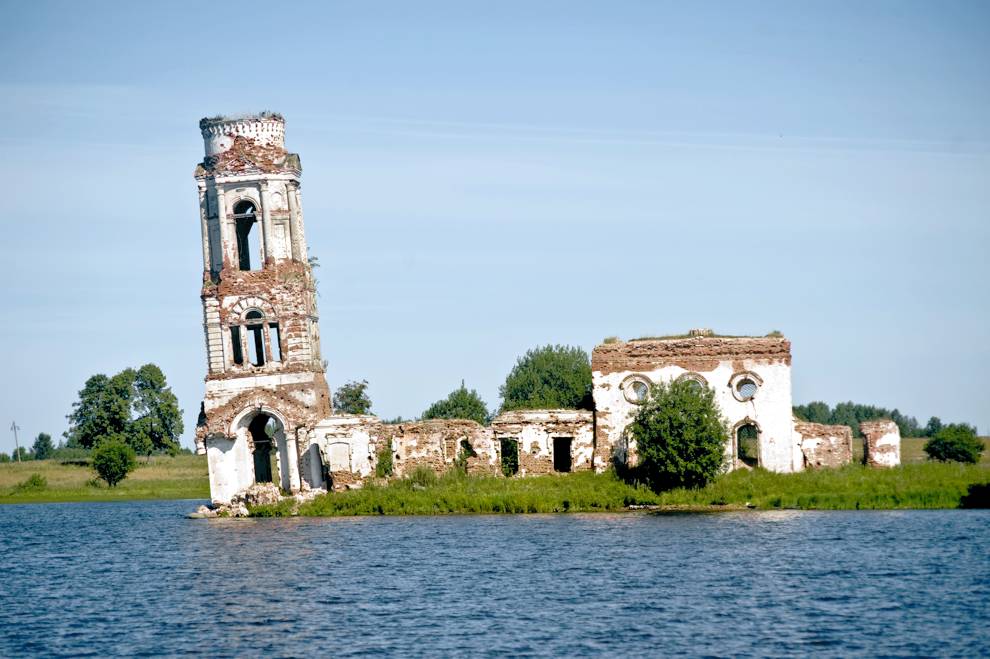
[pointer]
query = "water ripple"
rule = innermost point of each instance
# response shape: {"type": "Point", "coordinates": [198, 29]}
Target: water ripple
{"type": "Point", "coordinates": [138, 579]}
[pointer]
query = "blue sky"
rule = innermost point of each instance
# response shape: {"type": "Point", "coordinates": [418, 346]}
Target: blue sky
{"type": "Point", "coordinates": [482, 178]}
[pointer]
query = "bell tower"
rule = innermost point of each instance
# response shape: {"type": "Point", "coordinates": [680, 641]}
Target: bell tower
{"type": "Point", "coordinates": [265, 382]}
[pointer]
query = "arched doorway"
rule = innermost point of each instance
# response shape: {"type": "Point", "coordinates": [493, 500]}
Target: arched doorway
{"type": "Point", "coordinates": [273, 454]}
{"type": "Point", "coordinates": [747, 441]}
{"type": "Point", "coordinates": [262, 429]}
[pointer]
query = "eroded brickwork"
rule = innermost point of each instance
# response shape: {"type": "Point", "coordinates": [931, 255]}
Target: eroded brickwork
{"type": "Point", "coordinates": [881, 443]}
{"type": "Point", "coordinates": [265, 385]}
{"type": "Point", "coordinates": [824, 445]}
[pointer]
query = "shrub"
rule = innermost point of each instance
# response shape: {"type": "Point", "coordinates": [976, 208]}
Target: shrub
{"type": "Point", "coordinates": [549, 377]}
{"type": "Point", "coordinates": [384, 467]}
{"type": "Point", "coordinates": [32, 483]}
{"type": "Point", "coordinates": [423, 476]}
{"type": "Point", "coordinates": [4, 458]}
{"type": "Point", "coordinates": [956, 442]}
{"type": "Point", "coordinates": [680, 436]}
{"type": "Point", "coordinates": [113, 460]}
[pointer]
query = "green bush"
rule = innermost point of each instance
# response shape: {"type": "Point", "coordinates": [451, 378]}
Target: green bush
{"type": "Point", "coordinates": [32, 483]}
{"type": "Point", "coordinates": [384, 466]}
{"type": "Point", "coordinates": [547, 378]}
{"type": "Point", "coordinates": [284, 508]}
{"type": "Point", "coordinates": [460, 404]}
{"type": "Point", "coordinates": [680, 436]}
{"type": "Point", "coordinates": [113, 460]}
{"type": "Point", "coordinates": [956, 442]}
{"type": "Point", "coordinates": [423, 476]}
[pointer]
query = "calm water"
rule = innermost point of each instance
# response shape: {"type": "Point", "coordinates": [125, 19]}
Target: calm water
{"type": "Point", "coordinates": [138, 578]}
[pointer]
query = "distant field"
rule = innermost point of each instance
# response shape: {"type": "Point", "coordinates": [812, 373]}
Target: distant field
{"type": "Point", "coordinates": [912, 450]}
{"type": "Point", "coordinates": [163, 477]}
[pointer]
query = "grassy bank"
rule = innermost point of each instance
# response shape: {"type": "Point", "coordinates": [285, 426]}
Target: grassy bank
{"type": "Point", "coordinates": [855, 487]}
{"type": "Point", "coordinates": [161, 477]}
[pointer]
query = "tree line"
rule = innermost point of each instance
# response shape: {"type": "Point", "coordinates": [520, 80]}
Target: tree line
{"type": "Point", "coordinates": [851, 414]}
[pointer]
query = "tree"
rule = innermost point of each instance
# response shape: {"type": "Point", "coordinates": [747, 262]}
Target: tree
{"type": "Point", "coordinates": [24, 454]}
{"type": "Point", "coordinates": [43, 447]}
{"type": "Point", "coordinates": [103, 409]}
{"type": "Point", "coordinates": [933, 427]}
{"type": "Point", "coordinates": [680, 436]}
{"type": "Point", "coordinates": [4, 458]}
{"type": "Point", "coordinates": [113, 459]}
{"type": "Point", "coordinates": [549, 377]}
{"type": "Point", "coordinates": [352, 398]}
{"type": "Point", "coordinates": [158, 419]}
{"type": "Point", "coordinates": [956, 442]}
{"type": "Point", "coordinates": [460, 404]}
{"type": "Point", "coordinates": [136, 405]}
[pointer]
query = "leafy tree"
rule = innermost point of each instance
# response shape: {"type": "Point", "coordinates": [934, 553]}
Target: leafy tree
{"type": "Point", "coordinates": [680, 436]}
{"type": "Point", "coordinates": [460, 404]}
{"type": "Point", "coordinates": [137, 405]}
{"type": "Point", "coordinates": [956, 442]}
{"type": "Point", "coordinates": [549, 377]}
{"type": "Point", "coordinates": [352, 398]}
{"type": "Point", "coordinates": [158, 420]}
{"type": "Point", "coordinates": [113, 459]}
{"type": "Point", "coordinates": [24, 454]}
{"type": "Point", "coordinates": [4, 458]}
{"type": "Point", "coordinates": [933, 427]}
{"type": "Point", "coordinates": [43, 447]}
{"type": "Point", "coordinates": [103, 409]}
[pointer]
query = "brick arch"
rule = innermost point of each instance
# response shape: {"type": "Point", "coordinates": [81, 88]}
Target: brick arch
{"type": "Point", "coordinates": [245, 304]}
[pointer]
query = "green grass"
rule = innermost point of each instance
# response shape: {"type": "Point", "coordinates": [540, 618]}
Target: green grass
{"type": "Point", "coordinates": [161, 477]}
{"type": "Point", "coordinates": [929, 485]}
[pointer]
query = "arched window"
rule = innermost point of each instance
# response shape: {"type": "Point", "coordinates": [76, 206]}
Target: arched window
{"type": "Point", "coordinates": [255, 325]}
{"type": "Point", "coordinates": [245, 219]}
{"type": "Point", "coordinates": [262, 337]}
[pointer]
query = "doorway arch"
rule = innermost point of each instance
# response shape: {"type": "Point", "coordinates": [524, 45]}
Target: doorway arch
{"type": "Point", "coordinates": [271, 453]}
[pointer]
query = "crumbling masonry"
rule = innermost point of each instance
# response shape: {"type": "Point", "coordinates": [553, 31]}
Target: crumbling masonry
{"type": "Point", "coordinates": [266, 415]}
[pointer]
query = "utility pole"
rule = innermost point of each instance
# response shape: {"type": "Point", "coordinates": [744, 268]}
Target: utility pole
{"type": "Point", "coordinates": [17, 447]}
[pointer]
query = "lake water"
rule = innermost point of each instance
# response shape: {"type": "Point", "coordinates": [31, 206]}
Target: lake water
{"type": "Point", "coordinates": [139, 578]}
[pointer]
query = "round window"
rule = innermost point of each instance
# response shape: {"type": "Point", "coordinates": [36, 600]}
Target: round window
{"type": "Point", "coordinates": [746, 388]}
{"type": "Point", "coordinates": [636, 390]}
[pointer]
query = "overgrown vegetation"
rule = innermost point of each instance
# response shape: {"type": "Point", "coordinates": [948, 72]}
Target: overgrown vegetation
{"type": "Point", "coordinates": [956, 442]}
{"type": "Point", "coordinates": [680, 436]}
{"type": "Point", "coordinates": [460, 404]}
{"type": "Point", "coordinates": [550, 377]}
{"type": "Point", "coordinates": [284, 508]}
{"type": "Point", "coordinates": [929, 485]}
{"type": "Point", "coordinates": [850, 414]}
{"type": "Point", "coordinates": [384, 465]}
{"type": "Point", "coordinates": [352, 398]}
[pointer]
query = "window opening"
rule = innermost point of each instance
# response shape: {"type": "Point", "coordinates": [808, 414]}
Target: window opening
{"type": "Point", "coordinates": [235, 340]}
{"type": "Point", "coordinates": [256, 337]}
{"type": "Point", "coordinates": [275, 342]}
{"type": "Point", "coordinates": [562, 454]}
{"type": "Point", "coordinates": [747, 444]}
{"type": "Point", "coordinates": [746, 388]}
{"type": "Point", "coordinates": [510, 457]}
{"type": "Point", "coordinates": [245, 219]}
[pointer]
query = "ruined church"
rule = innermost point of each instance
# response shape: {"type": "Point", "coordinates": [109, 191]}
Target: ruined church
{"type": "Point", "coordinates": [267, 414]}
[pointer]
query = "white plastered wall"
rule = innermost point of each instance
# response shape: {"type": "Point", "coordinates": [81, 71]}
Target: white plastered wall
{"type": "Point", "coordinates": [770, 409]}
